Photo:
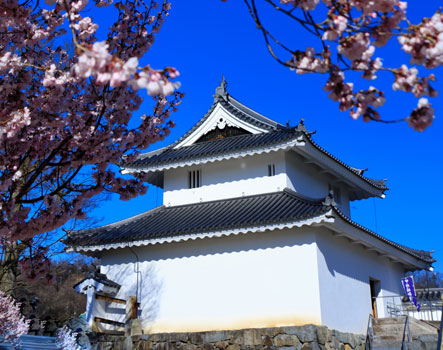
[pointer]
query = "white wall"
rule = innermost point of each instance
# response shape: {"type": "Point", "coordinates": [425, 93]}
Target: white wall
{"type": "Point", "coordinates": [307, 180]}
{"type": "Point", "coordinates": [255, 280]}
{"type": "Point", "coordinates": [344, 272]}
{"type": "Point", "coordinates": [226, 179]}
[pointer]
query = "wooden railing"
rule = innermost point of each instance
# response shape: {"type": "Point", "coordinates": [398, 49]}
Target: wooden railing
{"type": "Point", "coordinates": [131, 312]}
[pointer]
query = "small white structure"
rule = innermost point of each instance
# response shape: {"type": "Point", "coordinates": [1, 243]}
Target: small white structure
{"type": "Point", "coordinates": [255, 231]}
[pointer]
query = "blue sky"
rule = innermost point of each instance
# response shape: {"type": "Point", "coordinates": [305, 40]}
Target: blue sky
{"type": "Point", "coordinates": [205, 39]}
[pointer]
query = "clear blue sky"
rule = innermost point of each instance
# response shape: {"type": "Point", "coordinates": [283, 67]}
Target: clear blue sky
{"type": "Point", "coordinates": [205, 39]}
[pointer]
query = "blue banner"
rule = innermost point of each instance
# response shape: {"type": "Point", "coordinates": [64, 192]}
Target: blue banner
{"type": "Point", "coordinates": [408, 287]}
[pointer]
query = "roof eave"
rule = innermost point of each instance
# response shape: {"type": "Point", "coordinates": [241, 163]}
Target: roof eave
{"type": "Point", "coordinates": [314, 221]}
{"type": "Point", "coordinates": [344, 227]}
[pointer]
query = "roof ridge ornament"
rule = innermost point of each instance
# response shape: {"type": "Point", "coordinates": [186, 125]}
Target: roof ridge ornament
{"type": "Point", "coordinates": [221, 91]}
{"type": "Point", "coordinates": [329, 200]}
{"type": "Point", "coordinates": [301, 126]}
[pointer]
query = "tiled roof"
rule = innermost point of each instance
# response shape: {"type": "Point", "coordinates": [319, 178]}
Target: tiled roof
{"type": "Point", "coordinates": [229, 214]}
{"type": "Point", "coordinates": [100, 278]}
{"type": "Point", "coordinates": [236, 108]}
{"type": "Point", "coordinates": [233, 213]}
{"type": "Point", "coordinates": [216, 147]}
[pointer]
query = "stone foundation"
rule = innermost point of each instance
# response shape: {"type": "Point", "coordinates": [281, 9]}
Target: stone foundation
{"type": "Point", "coordinates": [307, 337]}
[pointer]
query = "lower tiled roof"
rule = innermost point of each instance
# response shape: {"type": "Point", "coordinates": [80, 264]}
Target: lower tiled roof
{"type": "Point", "coordinates": [222, 215]}
{"type": "Point", "coordinates": [264, 209]}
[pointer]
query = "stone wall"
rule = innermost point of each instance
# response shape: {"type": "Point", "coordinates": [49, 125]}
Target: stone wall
{"type": "Point", "coordinates": [307, 337]}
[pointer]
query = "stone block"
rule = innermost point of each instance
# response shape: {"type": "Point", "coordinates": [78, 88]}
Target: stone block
{"type": "Point", "coordinates": [145, 345]}
{"type": "Point", "coordinates": [344, 337]}
{"type": "Point", "coordinates": [295, 347]}
{"type": "Point", "coordinates": [306, 333]}
{"type": "Point", "coordinates": [310, 346]}
{"type": "Point", "coordinates": [196, 338]}
{"type": "Point", "coordinates": [222, 345]}
{"type": "Point", "coordinates": [274, 331]}
{"type": "Point", "coordinates": [233, 347]}
{"type": "Point", "coordinates": [179, 337]}
{"type": "Point", "coordinates": [187, 346]}
{"type": "Point", "coordinates": [322, 335]}
{"type": "Point", "coordinates": [286, 340]}
{"type": "Point", "coordinates": [212, 337]}
{"type": "Point", "coordinates": [267, 341]}
{"type": "Point", "coordinates": [251, 337]}
{"type": "Point", "coordinates": [208, 347]}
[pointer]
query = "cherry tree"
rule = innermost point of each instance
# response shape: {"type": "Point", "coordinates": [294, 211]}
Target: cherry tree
{"type": "Point", "coordinates": [65, 111]}
{"type": "Point", "coordinates": [348, 33]}
{"type": "Point", "coordinates": [12, 323]}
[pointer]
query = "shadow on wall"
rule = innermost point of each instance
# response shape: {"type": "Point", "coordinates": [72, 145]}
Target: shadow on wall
{"type": "Point", "coordinates": [141, 280]}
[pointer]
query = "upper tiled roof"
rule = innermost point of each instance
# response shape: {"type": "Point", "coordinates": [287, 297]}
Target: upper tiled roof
{"type": "Point", "coordinates": [221, 215]}
{"type": "Point", "coordinates": [216, 147]}
{"type": "Point", "coordinates": [274, 134]}
{"type": "Point", "coordinates": [238, 109]}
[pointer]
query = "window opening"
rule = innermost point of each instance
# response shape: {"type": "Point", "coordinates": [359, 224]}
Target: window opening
{"type": "Point", "coordinates": [194, 179]}
{"type": "Point", "coordinates": [271, 169]}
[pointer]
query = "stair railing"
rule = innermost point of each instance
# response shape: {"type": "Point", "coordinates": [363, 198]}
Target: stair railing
{"type": "Point", "coordinates": [369, 333]}
{"type": "Point", "coordinates": [406, 330]}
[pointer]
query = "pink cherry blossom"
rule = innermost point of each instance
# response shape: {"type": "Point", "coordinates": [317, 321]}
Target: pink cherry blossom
{"type": "Point", "coordinates": [422, 116]}
{"type": "Point", "coordinates": [12, 323]}
{"type": "Point", "coordinates": [64, 115]}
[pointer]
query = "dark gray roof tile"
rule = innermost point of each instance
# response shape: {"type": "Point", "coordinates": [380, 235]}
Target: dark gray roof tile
{"type": "Point", "coordinates": [229, 214]}
{"type": "Point", "coordinates": [162, 222]}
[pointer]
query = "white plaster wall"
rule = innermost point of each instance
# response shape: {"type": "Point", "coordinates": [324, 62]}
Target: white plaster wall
{"type": "Point", "coordinates": [344, 272]}
{"type": "Point", "coordinates": [255, 280]}
{"type": "Point", "coordinates": [226, 179]}
{"type": "Point", "coordinates": [307, 180]}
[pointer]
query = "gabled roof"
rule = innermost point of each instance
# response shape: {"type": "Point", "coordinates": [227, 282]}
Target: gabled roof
{"type": "Point", "coordinates": [267, 135]}
{"type": "Point", "coordinates": [278, 210]}
{"type": "Point", "coordinates": [235, 107]}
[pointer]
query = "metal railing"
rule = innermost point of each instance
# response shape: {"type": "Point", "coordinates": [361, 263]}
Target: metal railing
{"type": "Point", "coordinates": [406, 328]}
{"type": "Point", "coordinates": [369, 333]}
{"type": "Point", "coordinates": [395, 306]}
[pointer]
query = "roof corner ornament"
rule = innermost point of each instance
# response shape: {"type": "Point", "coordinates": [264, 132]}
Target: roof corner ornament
{"type": "Point", "coordinates": [221, 91]}
{"type": "Point", "coordinates": [329, 200]}
{"type": "Point", "coordinates": [301, 126]}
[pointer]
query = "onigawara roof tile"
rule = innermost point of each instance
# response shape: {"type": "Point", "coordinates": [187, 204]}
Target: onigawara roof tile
{"type": "Point", "coordinates": [221, 215]}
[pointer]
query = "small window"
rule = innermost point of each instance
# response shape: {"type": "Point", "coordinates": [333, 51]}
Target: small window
{"type": "Point", "coordinates": [271, 169]}
{"type": "Point", "coordinates": [194, 179]}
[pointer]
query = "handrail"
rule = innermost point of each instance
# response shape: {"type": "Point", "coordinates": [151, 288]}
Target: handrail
{"type": "Point", "coordinates": [369, 333]}
{"type": "Point", "coordinates": [403, 344]}
{"type": "Point", "coordinates": [441, 328]}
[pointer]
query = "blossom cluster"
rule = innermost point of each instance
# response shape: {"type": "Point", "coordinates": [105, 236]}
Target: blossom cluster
{"type": "Point", "coordinates": [67, 340]}
{"type": "Point", "coordinates": [355, 29]}
{"type": "Point", "coordinates": [12, 323]}
{"type": "Point", "coordinates": [65, 115]}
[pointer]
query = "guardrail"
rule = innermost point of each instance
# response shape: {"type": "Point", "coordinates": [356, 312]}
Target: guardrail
{"type": "Point", "coordinates": [396, 306]}
{"type": "Point", "coordinates": [130, 315]}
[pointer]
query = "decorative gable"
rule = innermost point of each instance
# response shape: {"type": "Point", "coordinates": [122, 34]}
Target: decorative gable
{"type": "Point", "coordinates": [216, 122]}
